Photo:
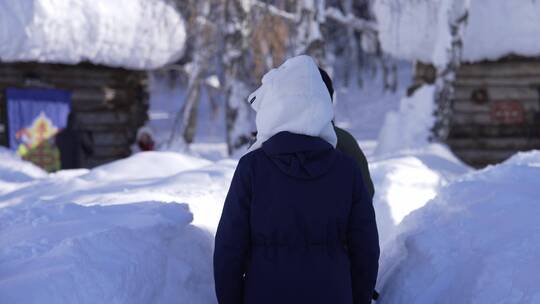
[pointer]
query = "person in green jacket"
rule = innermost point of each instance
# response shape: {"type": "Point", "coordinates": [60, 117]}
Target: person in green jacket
{"type": "Point", "coordinates": [347, 143]}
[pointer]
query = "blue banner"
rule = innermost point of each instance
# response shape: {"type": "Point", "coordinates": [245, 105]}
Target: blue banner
{"type": "Point", "coordinates": [34, 118]}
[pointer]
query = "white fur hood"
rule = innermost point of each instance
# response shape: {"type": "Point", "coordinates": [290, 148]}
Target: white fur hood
{"type": "Point", "coordinates": [293, 98]}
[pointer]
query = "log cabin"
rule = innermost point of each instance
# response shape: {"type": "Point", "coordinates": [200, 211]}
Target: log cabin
{"type": "Point", "coordinates": [98, 60]}
{"type": "Point", "coordinates": [110, 103]}
{"type": "Point", "coordinates": [484, 59]}
{"type": "Point", "coordinates": [494, 109]}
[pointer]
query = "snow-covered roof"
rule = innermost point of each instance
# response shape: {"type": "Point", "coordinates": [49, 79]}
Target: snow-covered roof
{"type": "Point", "coordinates": [419, 30]}
{"type": "Point", "coordinates": [134, 34]}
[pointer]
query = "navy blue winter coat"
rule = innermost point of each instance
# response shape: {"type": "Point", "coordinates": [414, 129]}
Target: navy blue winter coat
{"type": "Point", "coordinates": [297, 227]}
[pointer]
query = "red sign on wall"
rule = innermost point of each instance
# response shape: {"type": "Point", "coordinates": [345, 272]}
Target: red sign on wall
{"type": "Point", "coordinates": [507, 112]}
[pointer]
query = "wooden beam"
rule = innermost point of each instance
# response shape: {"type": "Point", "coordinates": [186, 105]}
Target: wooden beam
{"type": "Point", "coordinates": [482, 118]}
{"type": "Point", "coordinates": [490, 143]}
{"type": "Point", "coordinates": [530, 82]}
{"type": "Point", "coordinates": [469, 106]}
{"type": "Point", "coordinates": [499, 92]}
{"type": "Point", "coordinates": [480, 158]}
{"type": "Point", "coordinates": [476, 130]}
{"type": "Point", "coordinates": [500, 69]}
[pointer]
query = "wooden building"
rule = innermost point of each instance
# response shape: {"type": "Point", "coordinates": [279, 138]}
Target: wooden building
{"type": "Point", "coordinates": [95, 66]}
{"type": "Point", "coordinates": [495, 109]}
{"type": "Point", "coordinates": [111, 103]}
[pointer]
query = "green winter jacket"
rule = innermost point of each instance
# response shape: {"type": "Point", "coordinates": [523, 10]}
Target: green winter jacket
{"type": "Point", "coordinates": [348, 145]}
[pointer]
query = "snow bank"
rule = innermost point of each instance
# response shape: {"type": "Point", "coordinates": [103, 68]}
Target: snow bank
{"type": "Point", "coordinates": [15, 173]}
{"type": "Point", "coordinates": [476, 242]}
{"type": "Point", "coordinates": [14, 169]}
{"type": "Point", "coordinates": [410, 127]}
{"type": "Point", "coordinates": [407, 169]}
{"type": "Point", "coordinates": [419, 30]}
{"type": "Point", "coordinates": [146, 165]}
{"type": "Point", "coordinates": [406, 181]}
{"type": "Point", "coordinates": [138, 230]}
{"type": "Point", "coordinates": [135, 34]}
{"type": "Point", "coordinates": [133, 253]}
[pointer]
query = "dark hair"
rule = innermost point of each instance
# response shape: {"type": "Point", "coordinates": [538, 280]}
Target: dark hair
{"type": "Point", "coordinates": [328, 82]}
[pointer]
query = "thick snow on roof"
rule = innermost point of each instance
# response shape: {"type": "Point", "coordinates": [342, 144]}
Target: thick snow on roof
{"type": "Point", "coordinates": [135, 34]}
{"type": "Point", "coordinates": [419, 30]}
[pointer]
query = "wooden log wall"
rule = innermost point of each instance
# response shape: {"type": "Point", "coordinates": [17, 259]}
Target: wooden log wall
{"type": "Point", "coordinates": [496, 110]}
{"type": "Point", "coordinates": [111, 103]}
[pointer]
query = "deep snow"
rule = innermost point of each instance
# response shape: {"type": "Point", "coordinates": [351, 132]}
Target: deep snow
{"type": "Point", "coordinates": [136, 34]}
{"type": "Point", "coordinates": [478, 241]}
{"type": "Point", "coordinates": [419, 30]}
{"type": "Point", "coordinates": [138, 230]}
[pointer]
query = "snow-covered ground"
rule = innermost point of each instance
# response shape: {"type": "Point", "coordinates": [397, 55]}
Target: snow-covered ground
{"type": "Point", "coordinates": [478, 241]}
{"type": "Point", "coordinates": [406, 180]}
{"type": "Point", "coordinates": [138, 230]}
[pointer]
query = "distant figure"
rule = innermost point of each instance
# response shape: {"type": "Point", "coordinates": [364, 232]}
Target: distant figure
{"type": "Point", "coordinates": [74, 144]}
{"type": "Point", "coordinates": [145, 139]}
{"type": "Point", "coordinates": [298, 225]}
{"type": "Point", "coordinates": [347, 144]}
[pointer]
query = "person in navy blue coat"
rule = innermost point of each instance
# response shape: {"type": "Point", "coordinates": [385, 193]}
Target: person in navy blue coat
{"type": "Point", "coordinates": [298, 225]}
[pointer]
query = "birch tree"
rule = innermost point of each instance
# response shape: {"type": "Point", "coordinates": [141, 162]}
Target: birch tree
{"type": "Point", "coordinates": [239, 40]}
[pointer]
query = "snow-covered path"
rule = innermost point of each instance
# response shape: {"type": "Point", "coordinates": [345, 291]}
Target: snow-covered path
{"type": "Point", "coordinates": [140, 230]}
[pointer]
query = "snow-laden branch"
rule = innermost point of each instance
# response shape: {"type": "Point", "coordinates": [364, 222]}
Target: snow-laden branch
{"type": "Point", "coordinates": [361, 25]}
{"type": "Point", "coordinates": [332, 13]}
{"type": "Point", "coordinates": [272, 9]}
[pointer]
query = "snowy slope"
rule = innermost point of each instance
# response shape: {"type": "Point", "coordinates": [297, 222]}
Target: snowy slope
{"type": "Point", "coordinates": [419, 30]}
{"type": "Point", "coordinates": [135, 34]}
{"type": "Point", "coordinates": [406, 181]}
{"type": "Point", "coordinates": [138, 230]}
{"type": "Point", "coordinates": [477, 241]}
{"type": "Point", "coordinates": [16, 173]}
{"type": "Point", "coordinates": [80, 237]}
